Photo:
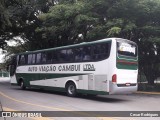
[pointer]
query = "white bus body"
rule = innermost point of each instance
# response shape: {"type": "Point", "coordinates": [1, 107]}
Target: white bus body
{"type": "Point", "coordinates": [115, 74]}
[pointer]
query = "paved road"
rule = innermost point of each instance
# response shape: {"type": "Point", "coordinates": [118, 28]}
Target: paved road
{"type": "Point", "coordinates": [14, 99]}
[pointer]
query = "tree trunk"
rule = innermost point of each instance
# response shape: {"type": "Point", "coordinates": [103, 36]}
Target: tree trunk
{"type": "Point", "coordinates": [150, 80]}
{"type": "Point", "coordinates": [149, 73]}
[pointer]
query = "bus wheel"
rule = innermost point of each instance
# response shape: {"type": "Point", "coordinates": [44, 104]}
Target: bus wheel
{"type": "Point", "coordinates": [22, 86]}
{"type": "Point", "coordinates": [71, 89]}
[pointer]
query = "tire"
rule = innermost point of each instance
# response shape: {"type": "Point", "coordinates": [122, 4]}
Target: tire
{"type": "Point", "coordinates": [71, 89]}
{"type": "Point", "coordinates": [22, 85]}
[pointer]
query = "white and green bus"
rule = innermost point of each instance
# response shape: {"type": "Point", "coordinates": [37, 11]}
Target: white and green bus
{"type": "Point", "coordinates": [107, 66]}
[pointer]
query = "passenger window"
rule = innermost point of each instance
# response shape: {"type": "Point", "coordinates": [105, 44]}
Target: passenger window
{"type": "Point", "coordinates": [105, 50]}
{"type": "Point", "coordinates": [38, 58]}
{"type": "Point", "coordinates": [55, 58]}
{"type": "Point", "coordinates": [70, 55]}
{"type": "Point", "coordinates": [87, 53]}
{"type": "Point", "coordinates": [44, 57]}
{"type": "Point", "coordinates": [22, 60]}
{"type": "Point", "coordinates": [97, 52]}
{"type": "Point", "coordinates": [29, 58]}
{"type": "Point", "coordinates": [33, 58]}
{"type": "Point", "coordinates": [101, 51]}
{"type": "Point", "coordinates": [63, 55]}
{"type": "Point", "coordinates": [16, 60]}
{"type": "Point", "coordinates": [78, 54]}
{"type": "Point", "coordinates": [49, 57]}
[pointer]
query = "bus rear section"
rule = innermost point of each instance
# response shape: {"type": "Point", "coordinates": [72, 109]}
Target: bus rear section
{"type": "Point", "coordinates": [124, 80]}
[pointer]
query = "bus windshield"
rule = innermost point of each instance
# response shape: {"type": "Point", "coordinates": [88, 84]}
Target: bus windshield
{"type": "Point", "coordinates": [127, 49]}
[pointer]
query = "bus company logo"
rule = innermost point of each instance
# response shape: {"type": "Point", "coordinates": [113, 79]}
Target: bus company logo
{"type": "Point", "coordinates": [88, 67]}
{"type": "Point", "coordinates": [6, 114]}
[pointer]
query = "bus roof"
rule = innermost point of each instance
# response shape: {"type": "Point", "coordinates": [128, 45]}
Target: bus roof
{"type": "Point", "coordinates": [74, 45]}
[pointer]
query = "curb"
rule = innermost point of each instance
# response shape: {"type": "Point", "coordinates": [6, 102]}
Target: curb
{"type": "Point", "coordinates": [149, 93]}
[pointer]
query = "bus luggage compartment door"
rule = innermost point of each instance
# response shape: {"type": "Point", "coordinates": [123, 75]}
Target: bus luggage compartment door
{"type": "Point", "coordinates": [91, 82]}
{"type": "Point", "coordinates": [101, 83]}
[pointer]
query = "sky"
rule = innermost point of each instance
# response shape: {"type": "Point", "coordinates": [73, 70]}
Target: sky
{"type": "Point", "coordinates": [1, 56]}
{"type": "Point", "coordinates": [13, 42]}
{"type": "Point", "coordinates": [10, 43]}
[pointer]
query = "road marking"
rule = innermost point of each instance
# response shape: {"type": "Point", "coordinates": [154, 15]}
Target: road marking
{"type": "Point", "coordinates": [107, 118]}
{"type": "Point", "coordinates": [55, 108]}
{"type": "Point", "coordinates": [19, 101]}
{"type": "Point", "coordinates": [34, 118]}
{"type": "Point", "coordinates": [152, 93]}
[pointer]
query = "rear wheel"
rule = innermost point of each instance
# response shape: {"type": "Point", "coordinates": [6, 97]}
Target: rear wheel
{"type": "Point", "coordinates": [22, 85]}
{"type": "Point", "coordinates": [71, 89]}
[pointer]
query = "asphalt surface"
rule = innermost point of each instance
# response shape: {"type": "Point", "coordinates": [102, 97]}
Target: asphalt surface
{"type": "Point", "coordinates": [57, 103]}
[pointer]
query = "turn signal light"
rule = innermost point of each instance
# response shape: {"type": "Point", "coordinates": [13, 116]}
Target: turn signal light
{"type": "Point", "coordinates": [114, 78]}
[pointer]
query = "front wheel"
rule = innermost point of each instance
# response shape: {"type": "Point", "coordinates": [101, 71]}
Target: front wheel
{"type": "Point", "coordinates": [71, 89]}
{"type": "Point", "coordinates": [22, 86]}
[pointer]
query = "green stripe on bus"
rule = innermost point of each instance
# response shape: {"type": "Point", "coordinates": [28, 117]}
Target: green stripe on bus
{"type": "Point", "coordinates": [42, 76]}
{"type": "Point", "coordinates": [93, 92]}
{"type": "Point", "coordinates": [129, 67]}
{"type": "Point", "coordinates": [126, 63]}
{"type": "Point", "coordinates": [127, 58]}
{"type": "Point", "coordinates": [27, 77]}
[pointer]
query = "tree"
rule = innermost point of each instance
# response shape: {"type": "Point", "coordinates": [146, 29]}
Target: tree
{"type": "Point", "coordinates": [139, 22]}
{"type": "Point", "coordinates": [4, 23]}
{"type": "Point", "coordinates": [20, 18]}
{"type": "Point", "coordinates": [73, 21]}
{"type": "Point", "coordinates": [52, 23]}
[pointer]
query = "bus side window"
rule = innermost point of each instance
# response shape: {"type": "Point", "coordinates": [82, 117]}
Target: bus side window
{"type": "Point", "coordinates": [70, 55]}
{"type": "Point", "coordinates": [22, 60]}
{"type": "Point", "coordinates": [105, 48]}
{"type": "Point", "coordinates": [38, 58]}
{"type": "Point", "coordinates": [87, 53]}
{"type": "Point", "coordinates": [55, 57]}
{"type": "Point", "coordinates": [44, 57]}
{"type": "Point", "coordinates": [30, 59]}
{"type": "Point", "coordinates": [101, 51]}
{"type": "Point", "coordinates": [33, 58]}
{"type": "Point", "coordinates": [17, 60]}
{"type": "Point", "coordinates": [78, 52]}
{"type": "Point", "coordinates": [96, 51]}
{"type": "Point", "coordinates": [62, 56]}
{"type": "Point", "coordinates": [49, 57]}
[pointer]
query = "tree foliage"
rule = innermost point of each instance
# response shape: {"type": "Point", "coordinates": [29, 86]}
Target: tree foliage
{"type": "Point", "coordinates": [51, 23]}
{"type": "Point", "coordinates": [20, 18]}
